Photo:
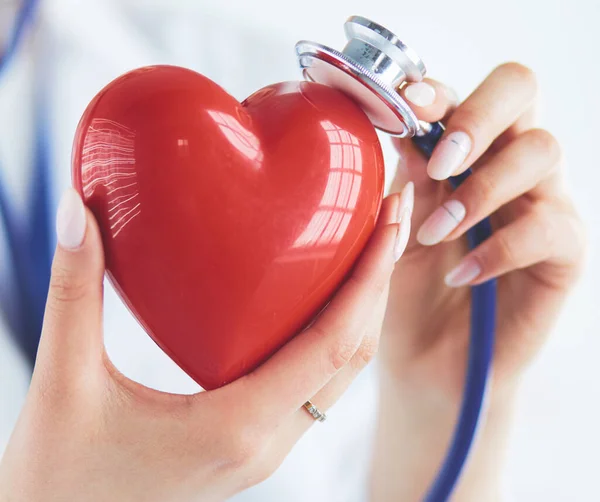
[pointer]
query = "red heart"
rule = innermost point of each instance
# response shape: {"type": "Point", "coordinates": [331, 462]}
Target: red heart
{"type": "Point", "coordinates": [226, 226]}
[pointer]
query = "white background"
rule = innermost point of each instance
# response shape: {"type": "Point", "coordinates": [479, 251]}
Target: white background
{"type": "Point", "coordinates": [554, 454]}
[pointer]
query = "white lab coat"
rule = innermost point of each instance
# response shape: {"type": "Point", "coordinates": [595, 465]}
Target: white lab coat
{"type": "Point", "coordinates": [79, 47]}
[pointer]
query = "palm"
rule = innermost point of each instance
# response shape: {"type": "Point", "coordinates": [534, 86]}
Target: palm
{"type": "Point", "coordinates": [427, 325]}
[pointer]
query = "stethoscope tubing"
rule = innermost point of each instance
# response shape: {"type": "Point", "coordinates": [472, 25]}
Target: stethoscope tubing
{"type": "Point", "coordinates": [29, 239]}
{"type": "Point", "coordinates": [481, 346]}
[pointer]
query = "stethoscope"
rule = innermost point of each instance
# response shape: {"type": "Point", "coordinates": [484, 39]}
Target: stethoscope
{"type": "Point", "coordinates": [371, 69]}
{"type": "Point", "coordinates": [30, 239]}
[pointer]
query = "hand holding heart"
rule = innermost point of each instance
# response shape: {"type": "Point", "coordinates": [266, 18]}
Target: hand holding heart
{"type": "Point", "coordinates": [536, 252]}
{"type": "Point", "coordinates": [226, 226]}
{"type": "Point", "coordinates": [89, 433]}
{"type": "Point", "coordinates": [84, 423]}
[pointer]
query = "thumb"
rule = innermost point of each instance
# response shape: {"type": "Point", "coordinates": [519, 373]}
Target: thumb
{"type": "Point", "coordinates": [72, 331]}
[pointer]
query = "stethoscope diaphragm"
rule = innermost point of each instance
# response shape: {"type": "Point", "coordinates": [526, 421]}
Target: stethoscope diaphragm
{"type": "Point", "coordinates": [371, 70]}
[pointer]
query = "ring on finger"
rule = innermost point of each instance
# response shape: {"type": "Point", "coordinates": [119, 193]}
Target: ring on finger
{"type": "Point", "coordinates": [315, 412]}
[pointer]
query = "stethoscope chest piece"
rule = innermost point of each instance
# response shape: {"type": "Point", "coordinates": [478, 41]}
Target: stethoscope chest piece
{"type": "Point", "coordinates": [370, 69]}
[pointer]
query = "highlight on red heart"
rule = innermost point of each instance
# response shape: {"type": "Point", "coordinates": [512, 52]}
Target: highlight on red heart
{"type": "Point", "coordinates": [227, 226]}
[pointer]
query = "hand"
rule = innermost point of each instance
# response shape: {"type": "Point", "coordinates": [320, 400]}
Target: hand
{"type": "Point", "coordinates": [88, 433]}
{"type": "Point", "coordinates": [536, 252]}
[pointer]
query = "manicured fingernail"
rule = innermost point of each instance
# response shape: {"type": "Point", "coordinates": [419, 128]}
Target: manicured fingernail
{"type": "Point", "coordinates": [403, 235]}
{"type": "Point", "coordinates": [420, 94]}
{"type": "Point", "coordinates": [441, 222]}
{"type": "Point", "coordinates": [407, 200]}
{"type": "Point", "coordinates": [451, 95]}
{"type": "Point", "coordinates": [449, 155]}
{"type": "Point", "coordinates": [464, 273]}
{"type": "Point", "coordinates": [70, 220]}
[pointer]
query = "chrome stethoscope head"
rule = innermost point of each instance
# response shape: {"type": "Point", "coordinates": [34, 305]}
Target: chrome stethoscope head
{"type": "Point", "coordinates": [370, 69]}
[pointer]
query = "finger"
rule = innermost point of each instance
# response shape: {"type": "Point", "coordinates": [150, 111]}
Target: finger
{"type": "Point", "coordinates": [365, 353]}
{"type": "Point", "coordinates": [543, 234]}
{"type": "Point", "coordinates": [411, 166]}
{"type": "Point", "coordinates": [391, 207]}
{"type": "Point", "coordinates": [516, 170]}
{"type": "Point", "coordinates": [302, 420]}
{"type": "Point", "coordinates": [493, 107]}
{"type": "Point", "coordinates": [301, 368]}
{"type": "Point", "coordinates": [429, 99]}
{"type": "Point", "coordinates": [525, 122]}
{"type": "Point", "coordinates": [73, 318]}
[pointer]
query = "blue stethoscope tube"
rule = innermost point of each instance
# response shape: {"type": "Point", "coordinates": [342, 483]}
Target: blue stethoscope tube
{"type": "Point", "coordinates": [481, 346]}
{"type": "Point", "coordinates": [32, 266]}
{"type": "Point", "coordinates": [29, 240]}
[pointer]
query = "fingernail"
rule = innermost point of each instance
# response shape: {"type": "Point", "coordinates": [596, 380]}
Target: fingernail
{"type": "Point", "coordinates": [464, 273]}
{"type": "Point", "coordinates": [441, 222]}
{"type": "Point", "coordinates": [70, 220]}
{"type": "Point", "coordinates": [449, 155]}
{"type": "Point", "coordinates": [420, 94]}
{"type": "Point", "coordinates": [407, 200]}
{"type": "Point", "coordinates": [451, 95]}
{"type": "Point", "coordinates": [403, 235]}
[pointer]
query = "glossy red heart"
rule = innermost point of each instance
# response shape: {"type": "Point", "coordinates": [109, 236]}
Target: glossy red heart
{"type": "Point", "coordinates": [226, 226]}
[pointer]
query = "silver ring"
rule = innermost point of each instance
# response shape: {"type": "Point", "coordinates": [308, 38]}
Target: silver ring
{"type": "Point", "coordinates": [314, 411]}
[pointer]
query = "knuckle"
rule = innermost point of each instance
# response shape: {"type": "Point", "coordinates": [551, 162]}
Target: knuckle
{"type": "Point", "coordinates": [469, 119]}
{"type": "Point", "coordinates": [341, 352]}
{"type": "Point", "coordinates": [483, 189]}
{"type": "Point", "coordinates": [543, 227]}
{"type": "Point", "coordinates": [543, 141]}
{"type": "Point", "coordinates": [242, 446]}
{"type": "Point", "coordinates": [552, 232]}
{"type": "Point", "coordinates": [65, 288]}
{"type": "Point", "coordinates": [367, 350]}
{"type": "Point", "coordinates": [521, 72]}
{"type": "Point", "coordinates": [507, 253]}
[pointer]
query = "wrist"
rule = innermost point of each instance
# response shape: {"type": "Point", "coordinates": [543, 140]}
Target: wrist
{"type": "Point", "coordinates": [414, 429]}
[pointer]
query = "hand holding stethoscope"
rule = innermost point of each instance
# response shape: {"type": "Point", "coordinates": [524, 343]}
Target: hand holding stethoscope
{"type": "Point", "coordinates": [536, 251]}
